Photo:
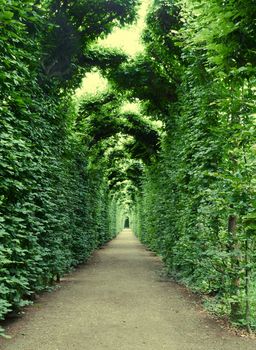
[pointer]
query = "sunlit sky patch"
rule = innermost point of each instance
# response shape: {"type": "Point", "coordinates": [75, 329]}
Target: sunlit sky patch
{"type": "Point", "coordinates": [128, 39]}
{"type": "Point", "coordinates": [133, 107]}
{"type": "Point", "coordinates": [92, 83]}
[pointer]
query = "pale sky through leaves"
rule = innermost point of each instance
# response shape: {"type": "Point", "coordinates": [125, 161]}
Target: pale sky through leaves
{"type": "Point", "coordinates": [127, 39]}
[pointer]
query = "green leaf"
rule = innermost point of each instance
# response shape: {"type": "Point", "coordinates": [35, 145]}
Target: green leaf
{"type": "Point", "coordinates": [6, 15]}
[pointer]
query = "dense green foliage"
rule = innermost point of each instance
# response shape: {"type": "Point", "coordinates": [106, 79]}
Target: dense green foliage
{"type": "Point", "coordinates": [197, 207]}
{"type": "Point", "coordinates": [53, 201]}
{"type": "Point", "coordinates": [181, 169]}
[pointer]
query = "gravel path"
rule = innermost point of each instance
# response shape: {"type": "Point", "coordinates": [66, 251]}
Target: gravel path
{"type": "Point", "coordinates": [119, 301]}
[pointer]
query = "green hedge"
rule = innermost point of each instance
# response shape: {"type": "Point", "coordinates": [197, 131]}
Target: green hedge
{"type": "Point", "coordinates": [53, 206]}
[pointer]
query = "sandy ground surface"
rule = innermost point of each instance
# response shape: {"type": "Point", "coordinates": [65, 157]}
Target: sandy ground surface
{"type": "Point", "coordinates": [119, 301]}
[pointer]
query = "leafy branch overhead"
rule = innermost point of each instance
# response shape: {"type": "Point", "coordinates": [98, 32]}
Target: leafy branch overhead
{"type": "Point", "coordinates": [141, 78]}
{"type": "Point", "coordinates": [73, 27]}
{"type": "Point", "coordinates": [105, 120]}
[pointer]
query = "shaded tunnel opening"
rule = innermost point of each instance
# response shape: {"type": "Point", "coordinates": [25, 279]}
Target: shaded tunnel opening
{"type": "Point", "coordinates": [127, 222]}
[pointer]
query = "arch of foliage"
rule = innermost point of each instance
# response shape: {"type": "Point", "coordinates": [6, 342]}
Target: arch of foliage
{"type": "Point", "coordinates": [99, 118]}
{"type": "Point", "coordinates": [65, 184]}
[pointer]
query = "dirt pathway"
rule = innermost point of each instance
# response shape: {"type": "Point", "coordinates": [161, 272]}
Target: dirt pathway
{"type": "Point", "coordinates": [119, 302]}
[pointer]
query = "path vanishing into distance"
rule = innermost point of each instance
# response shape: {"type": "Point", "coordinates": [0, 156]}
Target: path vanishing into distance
{"type": "Point", "coordinates": [120, 300]}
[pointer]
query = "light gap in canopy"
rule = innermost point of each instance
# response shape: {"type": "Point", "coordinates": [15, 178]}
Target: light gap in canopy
{"type": "Point", "coordinates": [127, 39]}
{"type": "Point", "coordinates": [92, 84]}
